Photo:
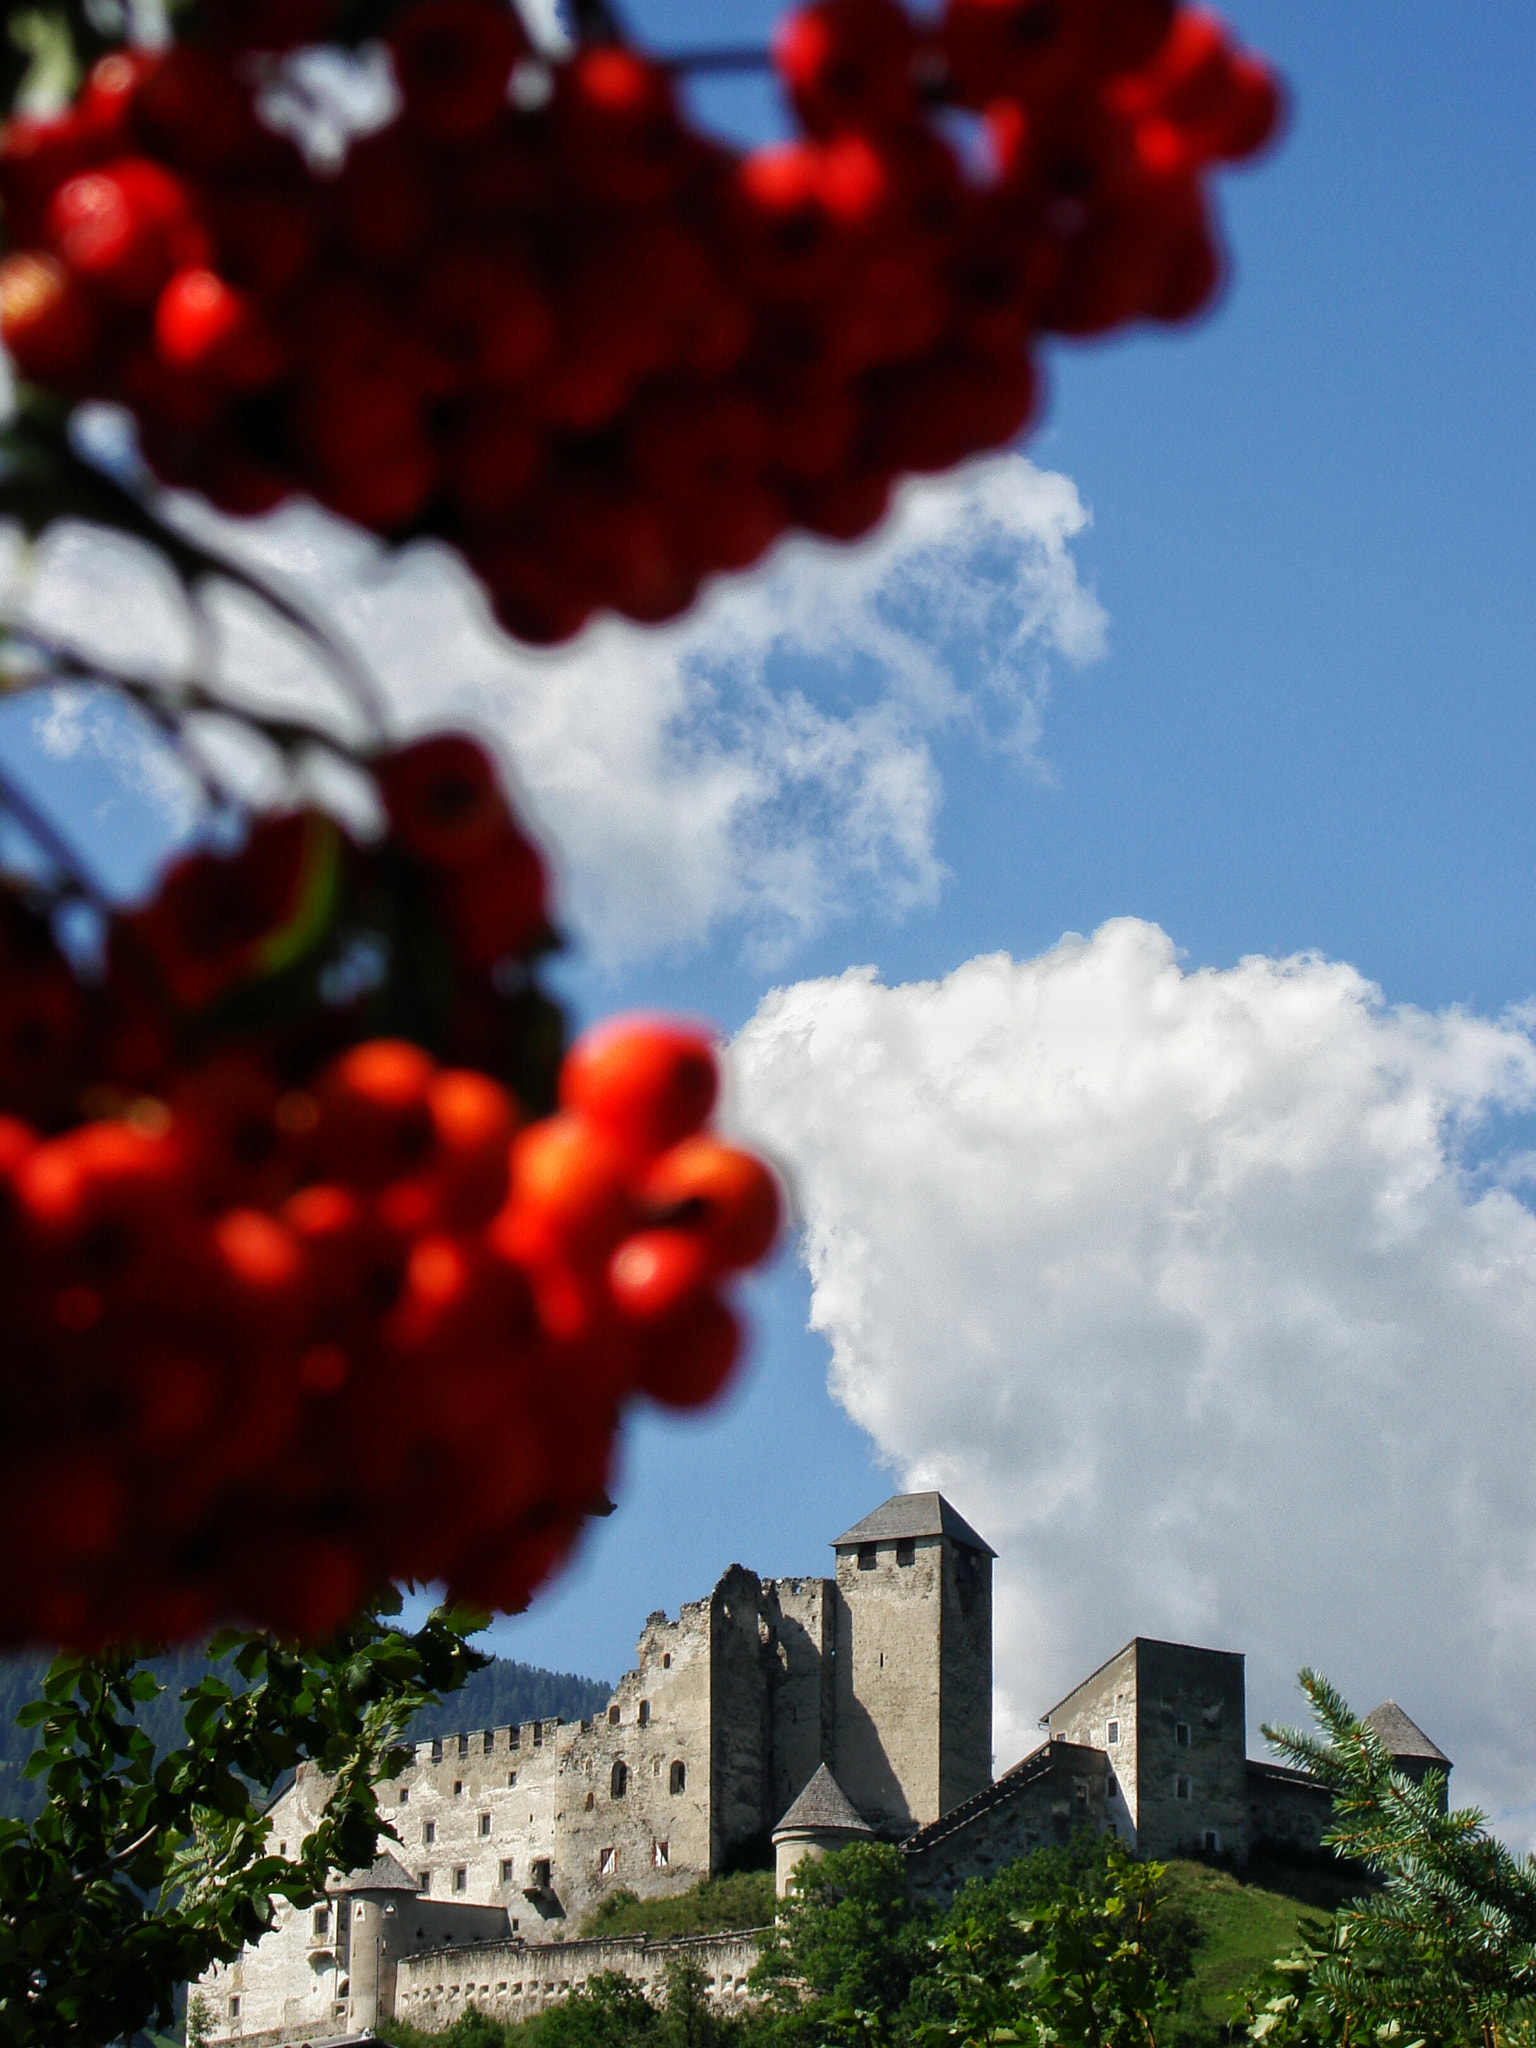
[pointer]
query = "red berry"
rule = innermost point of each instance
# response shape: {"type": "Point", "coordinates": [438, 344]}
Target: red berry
{"type": "Point", "coordinates": [453, 59]}
{"type": "Point", "coordinates": [644, 1081]}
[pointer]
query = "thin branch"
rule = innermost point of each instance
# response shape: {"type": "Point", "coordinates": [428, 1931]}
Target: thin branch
{"type": "Point", "coordinates": [40, 828]}
{"type": "Point", "coordinates": [700, 63]}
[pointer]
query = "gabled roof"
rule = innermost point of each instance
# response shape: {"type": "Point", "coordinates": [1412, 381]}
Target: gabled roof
{"type": "Point", "coordinates": [824, 1804]}
{"type": "Point", "coordinates": [385, 1876]}
{"type": "Point", "coordinates": [912, 1514]}
{"type": "Point", "coordinates": [1398, 1735]}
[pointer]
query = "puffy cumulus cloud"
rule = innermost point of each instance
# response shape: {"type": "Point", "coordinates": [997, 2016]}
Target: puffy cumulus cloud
{"type": "Point", "coordinates": [1185, 1287]}
{"type": "Point", "coordinates": [766, 764]}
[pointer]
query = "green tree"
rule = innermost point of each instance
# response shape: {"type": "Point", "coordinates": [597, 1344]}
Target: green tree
{"type": "Point", "coordinates": [689, 2020]}
{"type": "Point", "coordinates": [142, 1869]}
{"type": "Point", "coordinates": [1445, 1951]}
{"type": "Point", "coordinates": [847, 1947]}
{"type": "Point", "coordinates": [1081, 1971]}
{"type": "Point", "coordinates": [607, 2012]}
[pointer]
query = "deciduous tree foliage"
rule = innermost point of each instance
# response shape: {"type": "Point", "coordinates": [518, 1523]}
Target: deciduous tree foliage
{"type": "Point", "coordinates": [141, 1872]}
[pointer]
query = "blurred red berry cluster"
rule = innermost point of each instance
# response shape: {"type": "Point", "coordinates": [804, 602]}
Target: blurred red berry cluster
{"type": "Point", "coordinates": [292, 1308]}
{"type": "Point", "coordinates": [602, 354]}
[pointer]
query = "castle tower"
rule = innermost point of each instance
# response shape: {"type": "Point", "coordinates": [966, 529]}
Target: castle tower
{"type": "Point", "coordinates": [912, 1715]}
{"type": "Point", "coordinates": [1170, 1719]}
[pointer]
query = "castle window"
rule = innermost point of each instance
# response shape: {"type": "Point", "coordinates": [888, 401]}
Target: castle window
{"type": "Point", "coordinates": [1112, 1733]}
{"type": "Point", "coordinates": [405, 1795]}
{"type": "Point", "coordinates": [1080, 1793]}
{"type": "Point", "coordinates": [868, 1555]}
{"type": "Point", "coordinates": [322, 1922]}
{"type": "Point", "coordinates": [458, 1788]}
{"type": "Point", "coordinates": [460, 1878]}
{"type": "Point", "coordinates": [437, 1749]}
{"type": "Point", "coordinates": [591, 1801]}
{"type": "Point", "coordinates": [282, 1848]}
{"type": "Point", "coordinates": [511, 1779]}
{"type": "Point", "coordinates": [1212, 1842]}
{"type": "Point", "coordinates": [538, 1733]}
{"type": "Point", "coordinates": [424, 1880]}
{"type": "Point", "coordinates": [613, 1717]}
{"type": "Point", "coordinates": [539, 1873]}
{"type": "Point", "coordinates": [645, 1713]}
{"type": "Point", "coordinates": [463, 1743]}
{"type": "Point", "coordinates": [659, 1858]}
{"type": "Point", "coordinates": [506, 1869]}
{"type": "Point", "coordinates": [234, 2008]}
{"type": "Point", "coordinates": [666, 1660]}
{"type": "Point", "coordinates": [429, 1831]}
{"type": "Point", "coordinates": [514, 1737]}
{"type": "Point", "coordinates": [618, 1781]}
{"type": "Point", "coordinates": [607, 1862]}
{"type": "Point", "coordinates": [1181, 1787]}
{"type": "Point", "coordinates": [679, 1782]}
{"type": "Point", "coordinates": [490, 1741]}
{"type": "Point", "coordinates": [485, 1823]}
{"type": "Point", "coordinates": [906, 1552]}
{"type": "Point", "coordinates": [1181, 1734]}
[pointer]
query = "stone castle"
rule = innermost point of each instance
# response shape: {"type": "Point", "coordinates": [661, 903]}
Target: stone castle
{"type": "Point", "coordinates": [775, 1719]}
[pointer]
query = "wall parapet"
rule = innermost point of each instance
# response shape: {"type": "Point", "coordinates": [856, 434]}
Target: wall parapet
{"type": "Point", "coordinates": [512, 1980]}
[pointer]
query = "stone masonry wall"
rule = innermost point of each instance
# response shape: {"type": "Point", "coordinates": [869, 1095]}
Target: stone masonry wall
{"type": "Point", "coordinates": [800, 1615]}
{"type": "Point", "coordinates": [1286, 1810]}
{"type": "Point", "coordinates": [1041, 1801]}
{"type": "Point", "coordinates": [741, 1728]}
{"type": "Point", "coordinates": [512, 1981]}
{"type": "Point", "coordinates": [1191, 1751]}
{"type": "Point", "coordinates": [965, 1692]}
{"type": "Point", "coordinates": [886, 1755]}
{"type": "Point", "coordinates": [1084, 1716]}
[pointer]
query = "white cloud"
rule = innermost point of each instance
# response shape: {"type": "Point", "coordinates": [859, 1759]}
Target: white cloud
{"type": "Point", "coordinates": [764, 765]}
{"type": "Point", "coordinates": [1183, 1286]}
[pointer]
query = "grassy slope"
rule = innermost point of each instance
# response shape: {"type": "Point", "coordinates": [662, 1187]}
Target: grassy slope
{"type": "Point", "coordinates": [1249, 1921]}
{"type": "Point", "coordinates": [715, 1903]}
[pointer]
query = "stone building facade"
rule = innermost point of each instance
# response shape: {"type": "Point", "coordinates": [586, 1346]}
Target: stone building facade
{"type": "Point", "coordinates": [773, 1720]}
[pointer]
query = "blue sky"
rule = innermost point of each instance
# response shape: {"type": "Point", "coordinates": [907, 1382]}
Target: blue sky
{"type": "Point", "coordinates": [1314, 728]}
{"type": "Point", "coordinates": [1279, 704]}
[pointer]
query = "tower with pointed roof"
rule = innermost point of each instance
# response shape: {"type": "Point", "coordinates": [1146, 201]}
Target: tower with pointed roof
{"type": "Point", "coordinates": [912, 1720]}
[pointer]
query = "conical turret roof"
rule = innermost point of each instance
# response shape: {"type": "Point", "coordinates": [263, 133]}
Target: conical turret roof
{"type": "Point", "coordinates": [824, 1805]}
{"type": "Point", "coordinates": [1399, 1736]}
{"type": "Point", "coordinates": [386, 1875]}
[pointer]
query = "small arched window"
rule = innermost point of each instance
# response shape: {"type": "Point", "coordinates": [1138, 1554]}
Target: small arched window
{"type": "Point", "coordinates": [679, 1779]}
{"type": "Point", "coordinates": [645, 1713]}
{"type": "Point", "coordinates": [618, 1783]}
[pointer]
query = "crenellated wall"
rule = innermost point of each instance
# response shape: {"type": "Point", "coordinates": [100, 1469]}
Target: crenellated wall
{"type": "Point", "coordinates": [514, 1980]}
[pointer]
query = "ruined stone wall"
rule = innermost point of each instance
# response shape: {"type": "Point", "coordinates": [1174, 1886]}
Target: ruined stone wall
{"type": "Point", "coordinates": [1191, 1751]}
{"type": "Point", "coordinates": [887, 1679]}
{"type": "Point", "coordinates": [965, 1675]}
{"type": "Point", "coordinates": [741, 1727]}
{"type": "Point", "coordinates": [1042, 1801]}
{"type": "Point", "coordinates": [513, 1981]}
{"type": "Point", "coordinates": [1107, 1696]}
{"type": "Point", "coordinates": [799, 1613]}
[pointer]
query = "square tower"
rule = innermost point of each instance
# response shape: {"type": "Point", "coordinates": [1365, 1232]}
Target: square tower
{"type": "Point", "coordinates": [912, 1692]}
{"type": "Point", "coordinates": [1171, 1720]}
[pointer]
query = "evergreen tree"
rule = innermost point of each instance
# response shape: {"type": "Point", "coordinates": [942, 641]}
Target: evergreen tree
{"type": "Point", "coordinates": [1445, 1951]}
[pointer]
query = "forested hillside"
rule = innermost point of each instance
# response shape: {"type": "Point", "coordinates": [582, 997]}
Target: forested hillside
{"type": "Point", "coordinates": [504, 1691]}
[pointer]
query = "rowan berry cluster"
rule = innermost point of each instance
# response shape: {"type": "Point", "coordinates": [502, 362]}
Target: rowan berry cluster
{"type": "Point", "coordinates": [247, 1330]}
{"type": "Point", "coordinates": [606, 357]}
{"type": "Point", "coordinates": [270, 1278]}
